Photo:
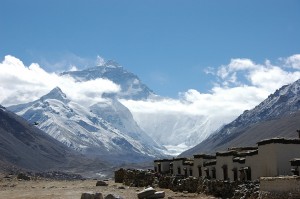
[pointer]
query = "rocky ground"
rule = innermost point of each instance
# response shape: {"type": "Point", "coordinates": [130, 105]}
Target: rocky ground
{"type": "Point", "coordinates": [42, 188]}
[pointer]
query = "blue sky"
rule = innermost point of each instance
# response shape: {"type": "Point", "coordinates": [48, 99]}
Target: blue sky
{"type": "Point", "coordinates": [168, 44]}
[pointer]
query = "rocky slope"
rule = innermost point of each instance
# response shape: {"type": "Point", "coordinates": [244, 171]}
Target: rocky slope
{"type": "Point", "coordinates": [25, 146]}
{"type": "Point", "coordinates": [278, 115]}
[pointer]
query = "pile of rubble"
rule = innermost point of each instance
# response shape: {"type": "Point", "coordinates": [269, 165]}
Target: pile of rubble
{"type": "Point", "coordinates": [179, 183]}
{"type": "Point", "coordinates": [135, 178]}
{"type": "Point", "coordinates": [58, 175]}
{"type": "Point", "coordinates": [119, 175]}
{"type": "Point", "coordinates": [52, 175]}
{"type": "Point", "coordinates": [247, 190]}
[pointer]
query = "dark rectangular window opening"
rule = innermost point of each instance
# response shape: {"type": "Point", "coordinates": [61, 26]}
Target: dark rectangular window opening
{"type": "Point", "coordinates": [200, 171]}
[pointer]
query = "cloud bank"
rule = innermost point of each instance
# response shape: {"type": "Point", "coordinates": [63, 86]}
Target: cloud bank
{"type": "Point", "coordinates": [240, 85]}
{"type": "Point", "coordinates": [20, 84]}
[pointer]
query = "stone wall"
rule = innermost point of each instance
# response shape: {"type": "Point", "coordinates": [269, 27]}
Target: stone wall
{"type": "Point", "coordinates": [280, 187]}
{"type": "Point", "coordinates": [217, 188]}
{"type": "Point", "coordinates": [134, 178]}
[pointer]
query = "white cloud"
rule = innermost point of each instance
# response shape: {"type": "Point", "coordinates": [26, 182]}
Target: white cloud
{"type": "Point", "coordinates": [293, 61]}
{"type": "Point", "coordinates": [243, 85]}
{"type": "Point", "coordinates": [20, 84]}
{"type": "Point", "coordinates": [241, 64]}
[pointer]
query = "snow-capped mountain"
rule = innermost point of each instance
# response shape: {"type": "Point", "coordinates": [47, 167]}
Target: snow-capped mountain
{"type": "Point", "coordinates": [279, 109]}
{"type": "Point", "coordinates": [131, 85]}
{"type": "Point", "coordinates": [25, 146]}
{"type": "Point", "coordinates": [121, 118]}
{"type": "Point", "coordinates": [90, 130]}
{"type": "Point", "coordinates": [168, 129]}
{"type": "Point", "coordinates": [177, 132]}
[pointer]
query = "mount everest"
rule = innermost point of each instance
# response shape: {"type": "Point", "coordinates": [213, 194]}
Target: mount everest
{"type": "Point", "coordinates": [175, 131]}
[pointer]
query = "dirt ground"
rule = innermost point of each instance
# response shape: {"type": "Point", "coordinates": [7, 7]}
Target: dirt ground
{"type": "Point", "coordinates": [50, 189]}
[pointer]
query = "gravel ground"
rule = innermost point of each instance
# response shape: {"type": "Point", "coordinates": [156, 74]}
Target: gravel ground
{"type": "Point", "coordinates": [46, 189]}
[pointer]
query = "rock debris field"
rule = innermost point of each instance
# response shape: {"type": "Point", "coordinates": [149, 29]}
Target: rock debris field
{"type": "Point", "coordinates": [13, 188]}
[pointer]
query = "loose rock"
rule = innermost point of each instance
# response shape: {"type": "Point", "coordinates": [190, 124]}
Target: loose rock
{"type": "Point", "coordinates": [158, 194]}
{"type": "Point", "coordinates": [146, 193]}
{"type": "Point", "coordinates": [101, 183]}
{"type": "Point", "coordinates": [91, 196]}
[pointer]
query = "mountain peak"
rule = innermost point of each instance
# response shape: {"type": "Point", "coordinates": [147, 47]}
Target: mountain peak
{"type": "Point", "coordinates": [131, 86]}
{"type": "Point", "coordinates": [56, 93]}
{"type": "Point", "coordinates": [109, 64]}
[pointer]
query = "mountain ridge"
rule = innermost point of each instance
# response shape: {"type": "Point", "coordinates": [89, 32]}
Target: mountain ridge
{"type": "Point", "coordinates": [26, 146]}
{"type": "Point", "coordinates": [283, 104]}
{"type": "Point", "coordinates": [84, 130]}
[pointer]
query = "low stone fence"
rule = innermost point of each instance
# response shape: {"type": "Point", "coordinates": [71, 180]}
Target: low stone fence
{"type": "Point", "coordinates": [218, 188]}
{"type": "Point", "coordinates": [135, 178]}
{"type": "Point", "coordinates": [280, 187]}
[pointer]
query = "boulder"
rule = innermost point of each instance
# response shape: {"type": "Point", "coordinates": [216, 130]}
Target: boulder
{"type": "Point", "coordinates": [110, 196]}
{"type": "Point", "coordinates": [146, 193]}
{"type": "Point", "coordinates": [158, 194]}
{"type": "Point", "coordinates": [101, 183]}
{"type": "Point", "coordinates": [91, 196]}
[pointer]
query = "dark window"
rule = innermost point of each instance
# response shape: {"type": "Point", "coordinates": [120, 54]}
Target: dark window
{"type": "Point", "coordinates": [242, 175]}
{"type": "Point", "coordinates": [191, 172]}
{"type": "Point", "coordinates": [213, 173]}
{"type": "Point", "coordinates": [185, 172]}
{"type": "Point", "coordinates": [248, 173]}
{"type": "Point", "coordinates": [155, 169]}
{"type": "Point", "coordinates": [159, 168]}
{"type": "Point", "coordinates": [235, 174]}
{"type": "Point", "coordinates": [225, 172]}
{"type": "Point", "coordinates": [200, 171]}
{"type": "Point", "coordinates": [179, 170]}
{"type": "Point", "coordinates": [207, 173]}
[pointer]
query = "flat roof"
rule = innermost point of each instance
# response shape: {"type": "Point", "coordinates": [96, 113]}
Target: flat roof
{"type": "Point", "coordinates": [210, 163]}
{"type": "Point", "coordinates": [163, 160]}
{"type": "Point", "coordinates": [227, 153]}
{"type": "Point", "coordinates": [278, 141]}
{"type": "Point", "coordinates": [239, 149]}
{"type": "Point", "coordinates": [205, 156]}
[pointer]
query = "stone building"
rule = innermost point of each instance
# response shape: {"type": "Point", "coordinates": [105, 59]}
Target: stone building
{"type": "Point", "coordinates": [209, 168]}
{"type": "Point", "coordinates": [225, 165]}
{"type": "Point", "coordinates": [272, 157]}
{"type": "Point", "coordinates": [162, 166]}
{"type": "Point", "coordinates": [198, 168]}
{"type": "Point", "coordinates": [187, 166]}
